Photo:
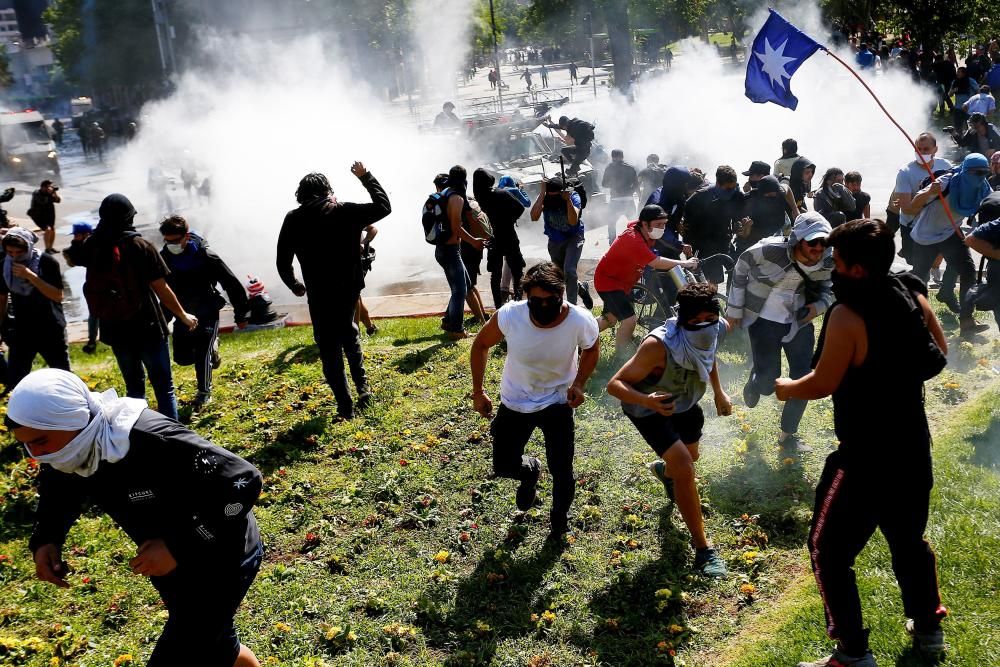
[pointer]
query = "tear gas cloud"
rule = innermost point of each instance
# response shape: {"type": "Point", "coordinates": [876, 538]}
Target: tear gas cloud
{"type": "Point", "coordinates": [442, 40]}
{"type": "Point", "coordinates": [698, 115]}
{"type": "Point", "coordinates": [267, 113]}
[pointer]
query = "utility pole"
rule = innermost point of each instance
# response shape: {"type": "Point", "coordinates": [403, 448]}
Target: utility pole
{"type": "Point", "coordinates": [496, 57]}
{"type": "Point", "coordinates": [589, 28]}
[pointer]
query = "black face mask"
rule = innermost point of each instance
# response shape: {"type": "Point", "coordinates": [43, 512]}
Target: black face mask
{"type": "Point", "coordinates": [545, 311]}
{"type": "Point", "coordinates": [850, 291]}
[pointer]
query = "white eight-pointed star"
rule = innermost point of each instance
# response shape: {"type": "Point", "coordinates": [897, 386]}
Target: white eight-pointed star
{"type": "Point", "coordinates": [774, 61]}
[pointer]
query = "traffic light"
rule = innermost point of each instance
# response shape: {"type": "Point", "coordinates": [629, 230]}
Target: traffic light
{"type": "Point", "coordinates": [588, 29]}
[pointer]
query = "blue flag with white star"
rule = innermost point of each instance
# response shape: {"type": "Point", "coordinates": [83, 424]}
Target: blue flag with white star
{"type": "Point", "coordinates": [777, 52]}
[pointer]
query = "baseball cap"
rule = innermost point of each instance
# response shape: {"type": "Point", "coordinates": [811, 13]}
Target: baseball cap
{"type": "Point", "coordinates": [81, 228]}
{"type": "Point", "coordinates": [758, 168]}
{"type": "Point", "coordinates": [652, 212]}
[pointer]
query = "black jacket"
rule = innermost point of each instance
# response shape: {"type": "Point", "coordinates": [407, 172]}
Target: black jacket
{"type": "Point", "coordinates": [172, 485]}
{"type": "Point", "coordinates": [708, 219]}
{"type": "Point", "coordinates": [193, 280]}
{"type": "Point", "coordinates": [325, 237]}
{"type": "Point", "coordinates": [970, 140]}
{"type": "Point", "coordinates": [581, 131]}
{"type": "Point", "coordinates": [621, 178]}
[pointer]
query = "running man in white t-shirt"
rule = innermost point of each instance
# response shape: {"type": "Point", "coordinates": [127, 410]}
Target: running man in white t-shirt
{"type": "Point", "coordinates": [543, 381]}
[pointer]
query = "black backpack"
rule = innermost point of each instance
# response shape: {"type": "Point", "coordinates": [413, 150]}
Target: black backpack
{"type": "Point", "coordinates": [437, 227]}
{"type": "Point", "coordinates": [112, 291]}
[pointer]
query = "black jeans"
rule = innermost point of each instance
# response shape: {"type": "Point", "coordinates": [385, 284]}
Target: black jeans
{"type": "Point", "coordinates": [24, 346]}
{"type": "Point", "coordinates": [956, 254]}
{"type": "Point", "coordinates": [766, 347]}
{"type": "Point", "coordinates": [511, 430]}
{"type": "Point", "coordinates": [336, 335]}
{"type": "Point", "coordinates": [511, 253]}
{"type": "Point", "coordinates": [849, 507]}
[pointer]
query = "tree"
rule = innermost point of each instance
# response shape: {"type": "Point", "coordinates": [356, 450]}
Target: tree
{"type": "Point", "coordinates": [620, 40]}
{"type": "Point", "coordinates": [6, 78]}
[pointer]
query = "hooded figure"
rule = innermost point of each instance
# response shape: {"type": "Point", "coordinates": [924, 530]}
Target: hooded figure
{"type": "Point", "coordinates": [797, 182]}
{"type": "Point", "coordinates": [968, 187]}
{"type": "Point", "coordinates": [31, 258]}
{"type": "Point", "coordinates": [766, 207]}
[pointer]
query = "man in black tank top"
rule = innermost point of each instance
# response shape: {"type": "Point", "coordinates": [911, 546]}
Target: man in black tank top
{"type": "Point", "coordinates": [879, 343]}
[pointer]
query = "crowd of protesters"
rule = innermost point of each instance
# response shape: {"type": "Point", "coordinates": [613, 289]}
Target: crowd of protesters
{"type": "Point", "coordinates": [788, 247]}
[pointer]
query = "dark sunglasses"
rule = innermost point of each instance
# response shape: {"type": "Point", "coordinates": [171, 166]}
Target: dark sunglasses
{"type": "Point", "coordinates": [816, 243]}
{"type": "Point", "coordinates": [546, 301]}
{"type": "Point", "coordinates": [980, 172]}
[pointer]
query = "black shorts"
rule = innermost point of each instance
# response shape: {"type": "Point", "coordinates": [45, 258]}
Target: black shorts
{"type": "Point", "coordinates": [617, 303]}
{"type": "Point", "coordinates": [661, 433]}
{"type": "Point", "coordinates": [201, 606]}
{"type": "Point", "coordinates": [44, 224]}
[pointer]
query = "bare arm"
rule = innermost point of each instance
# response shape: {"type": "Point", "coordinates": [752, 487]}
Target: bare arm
{"type": "Point", "coordinates": [588, 362]}
{"type": "Point", "coordinates": [51, 292]}
{"type": "Point", "coordinates": [984, 248]}
{"type": "Point", "coordinates": [536, 208]}
{"type": "Point", "coordinates": [844, 331]}
{"type": "Point", "coordinates": [169, 299]}
{"type": "Point", "coordinates": [572, 212]}
{"type": "Point", "coordinates": [664, 264]}
{"type": "Point", "coordinates": [649, 356]}
{"type": "Point", "coordinates": [487, 337]}
{"type": "Point", "coordinates": [455, 207]}
{"type": "Point", "coordinates": [921, 199]}
{"type": "Point", "coordinates": [371, 231]}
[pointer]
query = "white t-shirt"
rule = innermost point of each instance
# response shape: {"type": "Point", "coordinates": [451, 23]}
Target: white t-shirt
{"type": "Point", "coordinates": [541, 363]}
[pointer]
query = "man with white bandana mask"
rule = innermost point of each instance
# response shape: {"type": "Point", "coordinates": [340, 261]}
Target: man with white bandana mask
{"type": "Point", "coordinates": [660, 388]}
{"type": "Point", "coordinates": [186, 503]}
{"type": "Point", "coordinates": [779, 286]}
{"type": "Point", "coordinates": [33, 281]}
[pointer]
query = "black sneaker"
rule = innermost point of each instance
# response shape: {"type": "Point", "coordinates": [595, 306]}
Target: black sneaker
{"type": "Point", "coordinates": [949, 299]}
{"type": "Point", "coordinates": [364, 400]}
{"type": "Point", "coordinates": [90, 348]}
{"type": "Point", "coordinates": [840, 659]}
{"type": "Point", "coordinates": [51, 251]}
{"type": "Point", "coordinates": [528, 490]}
{"type": "Point", "coordinates": [584, 294]}
{"type": "Point", "coordinates": [202, 399]}
{"type": "Point", "coordinates": [793, 445]}
{"type": "Point", "coordinates": [751, 397]}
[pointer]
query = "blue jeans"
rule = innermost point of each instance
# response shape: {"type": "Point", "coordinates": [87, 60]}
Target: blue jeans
{"type": "Point", "coordinates": [449, 256]}
{"type": "Point", "coordinates": [154, 355]}
{"type": "Point", "coordinates": [566, 255]}
{"type": "Point", "coordinates": [766, 347]}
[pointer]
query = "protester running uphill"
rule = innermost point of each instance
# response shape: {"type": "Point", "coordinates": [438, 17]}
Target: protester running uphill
{"type": "Point", "coordinates": [880, 342]}
{"type": "Point", "coordinates": [186, 504]}
{"type": "Point", "coordinates": [32, 281]}
{"type": "Point", "coordinates": [660, 388]}
{"type": "Point", "coordinates": [126, 283]}
{"type": "Point", "coordinates": [195, 270]}
{"type": "Point", "coordinates": [322, 233]}
{"type": "Point", "coordinates": [779, 286]}
{"type": "Point", "coordinates": [543, 382]}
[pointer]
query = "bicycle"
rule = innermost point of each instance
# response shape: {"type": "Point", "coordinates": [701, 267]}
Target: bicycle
{"type": "Point", "coordinates": [653, 306]}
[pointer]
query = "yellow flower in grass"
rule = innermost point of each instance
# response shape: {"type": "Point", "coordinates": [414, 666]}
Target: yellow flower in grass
{"type": "Point", "coordinates": [283, 628]}
{"type": "Point", "coordinates": [442, 557]}
{"type": "Point", "coordinates": [120, 661]}
{"type": "Point", "coordinates": [748, 589]}
{"type": "Point", "coordinates": [675, 629]}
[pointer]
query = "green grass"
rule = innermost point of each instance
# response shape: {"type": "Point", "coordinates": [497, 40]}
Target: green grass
{"type": "Point", "coordinates": [389, 543]}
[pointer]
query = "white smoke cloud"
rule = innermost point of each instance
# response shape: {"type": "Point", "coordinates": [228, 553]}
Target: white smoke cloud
{"type": "Point", "coordinates": [442, 38]}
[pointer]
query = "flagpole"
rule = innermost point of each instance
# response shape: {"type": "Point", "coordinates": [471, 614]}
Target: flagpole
{"type": "Point", "coordinates": [927, 165]}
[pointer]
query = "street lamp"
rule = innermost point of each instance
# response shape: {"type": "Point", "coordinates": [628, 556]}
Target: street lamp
{"type": "Point", "coordinates": [496, 56]}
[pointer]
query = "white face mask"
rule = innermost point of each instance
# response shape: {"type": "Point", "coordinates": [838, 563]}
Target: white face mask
{"type": "Point", "coordinates": [175, 248]}
{"type": "Point", "coordinates": [925, 159]}
{"type": "Point", "coordinates": [656, 232]}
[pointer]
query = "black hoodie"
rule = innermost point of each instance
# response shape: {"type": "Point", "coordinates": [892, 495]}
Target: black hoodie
{"type": "Point", "coordinates": [116, 247]}
{"type": "Point", "coordinates": [795, 182]}
{"type": "Point", "coordinates": [325, 236]}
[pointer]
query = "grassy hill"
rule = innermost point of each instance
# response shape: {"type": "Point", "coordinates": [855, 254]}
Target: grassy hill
{"type": "Point", "coordinates": [389, 543]}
